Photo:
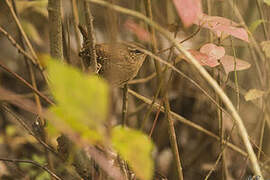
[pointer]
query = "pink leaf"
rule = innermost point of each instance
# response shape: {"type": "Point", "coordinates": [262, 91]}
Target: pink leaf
{"type": "Point", "coordinates": [223, 26]}
{"type": "Point", "coordinates": [188, 10]}
{"type": "Point", "coordinates": [213, 51]}
{"type": "Point", "coordinates": [140, 32]}
{"type": "Point", "coordinates": [204, 59]}
{"type": "Point", "coordinates": [228, 63]}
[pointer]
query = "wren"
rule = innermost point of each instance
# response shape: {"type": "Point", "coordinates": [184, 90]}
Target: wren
{"type": "Point", "coordinates": [119, 62]}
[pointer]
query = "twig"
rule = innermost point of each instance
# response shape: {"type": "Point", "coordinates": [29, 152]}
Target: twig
{"type": "Point", "coordinates": [19, 48]}
{"type": "Point", "coordinates": [183, 75]}
{"type": "Point", "coordinates": [26, 83]}
{"type": "Point", "coordinates": [91, 44]}
{"type": "Point", "coordinates": [42, 121]}
{"type": "Point", "coordinates": [34, 163]}
{"type": "Point", "coordinates": [155, 122]}
{"type": "Point", "coordinates": [148, 10]}
{"type": "Point", "coordinates": [242, 22]}
{"type": "Point", "coordinates": [262, 131]}
{"type": "Point", "coordinates": [21, 30]}
{"type": "Point", "coordinates": [143, 80]}
{"type": "Point", "coordinates": [28, 129]}
{"type": "Point", "coordinates": [160, 78]}
{"type": "Point", "coordinates": [111, 23]}
{"type": "Point", "coordinates": [173, 139]}
{"type": "Point", "coordinates": [55, 26]}
{"type": "Point", "coordinates": [172, 133]}
{"type": "Point", "coordinates": [75, 27]}
{"type": "Point", "coordinates": [187, 122]}
{"type": "Point", "coordinates": [182, 41]}
{"type": "Point", "coordinates": [266, 36]}
{"type": "Point", "coordinates": [214, 167]}
{"type": "Point", "coordinates": [146, 116]}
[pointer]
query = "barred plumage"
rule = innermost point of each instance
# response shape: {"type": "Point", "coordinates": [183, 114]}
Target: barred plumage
{"type": "Point", "coordinates": [119, 62]}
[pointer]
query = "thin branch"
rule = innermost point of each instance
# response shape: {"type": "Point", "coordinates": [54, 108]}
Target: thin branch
{"type": "Point", "coordinates": [34, 163]}
{"type": "Point", "coordinates": [55, 26]}
{"type": "Point", "coordinates": [28, 129]}
{"type": "Point", "coordinates": [182, 41]}
{"type": "Point", "coordinates": [26, 83]}
{"type": "Point", "coordinates": [183, 75]}
{"type": "Point", "coordinates": [91, 44]}
{"type": "Point", "coordinates": [21, 30]}
{"type": "Point", "coordinates": [154, 122]}
{"type": "Point", "coordinates": [148, 9]}
{"type": "Point", "coordinates": [242, 22]}
{"type": "Point", "coordinates": [187, 122]}
{"type": "Point", "coordinates": [147, 114]}
{"type": "Point", "coordinates": [173, 139]}
{"type": "Point", "coordinates": [214, 167]}
{"type": "Point", "coordinates": [41, 120]}
{"type": "Point", "coordinates": [143, 80]}
{"type": "Point", "coordinates": [75, 17]}
{"type": "Point", "coordinates": [75, 24]}
{"type": "Point", "coordinates": [19, 48]}
{"type": "Point", "coordinates": [262, 16]}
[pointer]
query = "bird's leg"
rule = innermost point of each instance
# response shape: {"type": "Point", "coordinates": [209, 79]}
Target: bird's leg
{"type": "Point", "coordinates": [125, 105]}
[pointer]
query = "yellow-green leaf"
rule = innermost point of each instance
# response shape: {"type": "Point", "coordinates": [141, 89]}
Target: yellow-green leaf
{"type": "Point", "coordinates": [11, 130]}
{"type": "Point", "coordinates": [134, 147]}
{"type": "Point", "coordinates": [82, 100]}
{"type": "Point", "coordinates": [39, 159]}
{"type": "Point", "coordinates": [253, 94]}
{"type": "Point", "coordinates": [43, 176]}
{"type": "Point", "coordinates": [255, 24]}
{"type": "Point", "coordinates": [267, 2]}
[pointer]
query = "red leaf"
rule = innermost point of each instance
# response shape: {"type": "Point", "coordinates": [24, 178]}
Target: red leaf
{"type": "Point", "coordinates": [228, 63]}
{"type": "Point", "coordinates": [223, 26]}
{"type": "Point", "coordinates": [204, 59]}
{"type": "Point", "coordinates": [140, 32]}
{"type": "Point", "coordinates": [188, 10]}
{"type": "Point", "coordinates": [213, 51]}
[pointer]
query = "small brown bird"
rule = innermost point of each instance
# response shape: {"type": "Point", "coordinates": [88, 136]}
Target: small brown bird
{"type": "Point", "coordinates": [120, 62]}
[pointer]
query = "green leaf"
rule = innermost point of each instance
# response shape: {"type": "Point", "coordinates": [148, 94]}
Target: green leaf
{"type": "Point", "coordinates": [10, 130]}
{"type": "Point", "coordinates": [82, 100]}
{"type": "Point", "coordinates": [267, 2]}
{"type": "Point", "coordinates": [43, 176]}
{"type": "Point", "coordinates": [254, 25]}
{"type": "Point", "coordinates": [134, 147]}
{"type": "Point", "coordinates": [39, 159]}
{"type": "Point", "coordinates": [52, 130]}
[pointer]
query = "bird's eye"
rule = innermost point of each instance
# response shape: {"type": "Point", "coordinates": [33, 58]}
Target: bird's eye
{"type": "Point", "coordinates": [136, 51]}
